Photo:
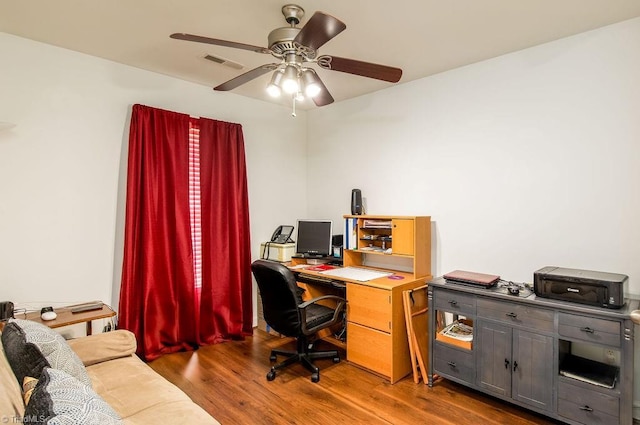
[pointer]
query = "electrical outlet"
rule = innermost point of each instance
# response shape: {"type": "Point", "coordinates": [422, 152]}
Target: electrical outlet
{"type": "Point", "coordinates": [609, 356]}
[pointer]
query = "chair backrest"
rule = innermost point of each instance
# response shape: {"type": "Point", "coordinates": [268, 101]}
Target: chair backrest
{"type": "Point", "coordinates": [280, 299]}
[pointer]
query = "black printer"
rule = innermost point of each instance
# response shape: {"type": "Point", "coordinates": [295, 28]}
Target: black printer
{"type": "Point", "coordinates": [581, 286]}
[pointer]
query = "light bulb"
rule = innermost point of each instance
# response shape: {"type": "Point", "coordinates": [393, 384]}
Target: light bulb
{"type": "Point", "coordinates": [290, 81]}
{"type": "Point", "coordinates": [312, 90]}
{"type": "Point", "coordinates": [274, 91]}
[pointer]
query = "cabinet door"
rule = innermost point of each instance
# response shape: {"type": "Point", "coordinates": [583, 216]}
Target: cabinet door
{"type": "Point", "coordinates": [402, 236]}
{"type": "Point", "coordinates": [532, 369]}
{"type": "Point", "coordinates": [494, 358]}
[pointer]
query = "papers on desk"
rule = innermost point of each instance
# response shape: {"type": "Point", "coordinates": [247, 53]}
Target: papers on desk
{"type": "Point", "coordinates": [299, 266]}
{"type": "Point", "coordinates": [356, 273]}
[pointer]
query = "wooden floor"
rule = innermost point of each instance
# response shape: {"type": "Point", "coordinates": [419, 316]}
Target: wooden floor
{"type": "Point", "coordinates": [229, 381]}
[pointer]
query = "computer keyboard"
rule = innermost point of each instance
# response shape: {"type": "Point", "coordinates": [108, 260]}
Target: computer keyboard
{"type": "Point", "coordinates": [321, 281]}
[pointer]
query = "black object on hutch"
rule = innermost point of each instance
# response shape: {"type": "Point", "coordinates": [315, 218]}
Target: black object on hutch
{"type": "Point", "coordinates": [524, 350]}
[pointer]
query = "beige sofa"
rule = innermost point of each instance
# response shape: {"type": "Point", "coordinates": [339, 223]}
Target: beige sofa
{"type": "Point", "coordinates": [135, 391]}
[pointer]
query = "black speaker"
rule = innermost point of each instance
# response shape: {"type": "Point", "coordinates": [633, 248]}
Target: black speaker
{"type": "Point", "coordinates": [336, 244]}
{"type": "Point", "coordinates": [356, 202]}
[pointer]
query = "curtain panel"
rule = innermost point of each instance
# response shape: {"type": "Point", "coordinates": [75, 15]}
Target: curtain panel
{"type": "Point", "coordinates": [226, 297]}
{"type": "Point", "coordinates": [159, 301]}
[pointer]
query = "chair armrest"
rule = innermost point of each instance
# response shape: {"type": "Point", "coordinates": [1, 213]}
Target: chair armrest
{"type": "Point", "coordinates": [337, 313]}
{"type": "Point", "coordinates": [103, 347]}
{"type": "Point", "coordinates": [323, 297]}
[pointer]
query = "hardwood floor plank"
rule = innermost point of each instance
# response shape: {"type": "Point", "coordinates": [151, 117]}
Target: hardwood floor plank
{"type": "Point", "coordinates": [229, 381]}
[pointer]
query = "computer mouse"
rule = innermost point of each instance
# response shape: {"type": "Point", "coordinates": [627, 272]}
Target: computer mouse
{"type": "Point", "coordinates": [48, 315]}
{"type": "Point", "coordinates": [513, 290]}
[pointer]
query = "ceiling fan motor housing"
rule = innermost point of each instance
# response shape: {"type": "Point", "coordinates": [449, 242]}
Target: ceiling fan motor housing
{"type": "Point", "coordinates": [281, 40]}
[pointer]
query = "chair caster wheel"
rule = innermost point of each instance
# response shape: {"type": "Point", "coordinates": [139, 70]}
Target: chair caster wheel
{"type": "Point", "coordinates": [315, 377]}
{"type": "Point", "coordinates": [273, 358]}
{"type": "Point", "coordinates": [271, 375]}
{"type": "Point", "coordinates": [336, 359]}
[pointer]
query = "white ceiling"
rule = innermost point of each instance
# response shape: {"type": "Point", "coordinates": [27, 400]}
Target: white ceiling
{"type": "Point", "coordinates": [423, 37]}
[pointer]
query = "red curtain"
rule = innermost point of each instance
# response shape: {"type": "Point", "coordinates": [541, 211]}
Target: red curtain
{"type": "Point", "coordinates": [158, 299]}
{"type": "Point", "coordinates": [226, 299]}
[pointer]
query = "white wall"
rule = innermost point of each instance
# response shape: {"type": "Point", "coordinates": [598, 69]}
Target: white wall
{"type": "Point", "coordinates": [523, 161]}
{"type": "Point", "coordinates": [62, 167]}
{"type": "Point", "coordinates": [526, 160]}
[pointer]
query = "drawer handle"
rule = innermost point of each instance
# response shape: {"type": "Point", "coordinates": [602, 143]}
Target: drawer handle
{"type": "Point", "coordinates": [515, 366]}
{"type": "Point", "coordinates": [453, 302]}
{"type": "Point", "coordinates": [587, 330]}
{"type": "Point", "coordinates": [506, 363]}
{"type": "Point", "coordinates": [586, 408]}
{"type": "Point", "coordinates": [452, 364]}
{"type": "Point", "coordinates": [512, 315]}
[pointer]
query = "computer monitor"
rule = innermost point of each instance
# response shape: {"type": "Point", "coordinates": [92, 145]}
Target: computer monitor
{"type": "Point", "coordinates": [314, 238]}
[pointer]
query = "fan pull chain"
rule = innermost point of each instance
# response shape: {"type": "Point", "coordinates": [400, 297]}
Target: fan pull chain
{"type": "Point", "coordinates": [293, 99]}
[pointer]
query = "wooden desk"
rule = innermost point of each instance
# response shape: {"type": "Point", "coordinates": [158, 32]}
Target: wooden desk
{"type": "Point", "coordinates": [376, 326]}
{"type": "Point", "coordinates": [67, 318]}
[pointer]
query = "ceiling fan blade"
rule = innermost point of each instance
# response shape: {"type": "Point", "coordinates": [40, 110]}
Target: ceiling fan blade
{"type": "Point", "coordinates": [246, 77]}
{"type": "Point", "coordinates": [318, 30]}
{"type": "Point", "coordinates": [324, 97]}
{"type": "Point", "coordinates": [364, 69]}
{"type": "Point", "coordinates": [217, 42]}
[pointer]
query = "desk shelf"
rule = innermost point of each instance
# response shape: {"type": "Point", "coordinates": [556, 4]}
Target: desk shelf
{"type": "Point", "coordinates": [407, 239]}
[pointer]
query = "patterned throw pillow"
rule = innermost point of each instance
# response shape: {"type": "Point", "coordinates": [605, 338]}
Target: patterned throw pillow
{"type": "Point", "coordinates": [59, 399]}
{"type": "Point", "coordinates": [31, 346]}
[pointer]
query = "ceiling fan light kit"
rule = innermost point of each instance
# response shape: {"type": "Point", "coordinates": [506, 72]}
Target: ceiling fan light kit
{"type": "Point", "coordinates": [297, 49]}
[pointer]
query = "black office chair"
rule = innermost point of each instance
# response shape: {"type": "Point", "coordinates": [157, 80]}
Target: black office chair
{"type": "Point", "coordinates": [286, 313]}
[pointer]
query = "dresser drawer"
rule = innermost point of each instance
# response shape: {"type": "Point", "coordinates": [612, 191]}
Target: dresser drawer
{"type": "Point", "coordinates": [454, 302]}
{"type": "Point", "coordinates": [369, 348]}
{"type": "Point", "coordinates": [587, 406]}
{"type": "Point", "coordinates": [589, 329]}
{"type": "Point", "coordinates": [533, 318]}
{"type": "Point", "coordinates": [369, 306]}
{"type": "Point", "coordinates": [452, 363]}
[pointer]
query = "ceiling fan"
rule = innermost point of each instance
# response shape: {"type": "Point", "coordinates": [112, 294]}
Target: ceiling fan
{"type": "Point", "coordinates": [297, 48]}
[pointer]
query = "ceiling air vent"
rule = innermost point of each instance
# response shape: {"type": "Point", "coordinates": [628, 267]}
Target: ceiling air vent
{"type": "Point", "coordinates": [224, 61]}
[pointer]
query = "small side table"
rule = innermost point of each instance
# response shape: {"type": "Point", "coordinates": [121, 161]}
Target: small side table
{"type": "Point", "coordinates": [67, 318]}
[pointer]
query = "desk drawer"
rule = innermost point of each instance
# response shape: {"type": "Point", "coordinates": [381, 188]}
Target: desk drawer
{"type": "Point", "coordinates": [453, 363]}
{"type": "Point", "coordinates": [369, 306]}
{"type": "Point", "coordinates": [454, 302]}
{"type": "Point", "coordinates": [516, 314]}
{"type": "Point", "coordinates": [369, 348]}
{"type": "Point", "coordinates": [586, 406]}
{"type": "Point", "coordinates": [600, 331]}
